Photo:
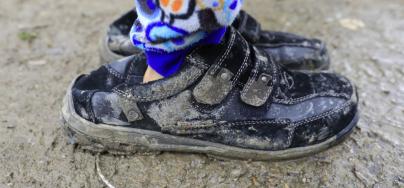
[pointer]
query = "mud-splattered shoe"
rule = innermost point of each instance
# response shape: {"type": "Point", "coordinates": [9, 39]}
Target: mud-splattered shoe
{"type": "Point", "coordinates": [228, 100]}
{"type": "Point", "coordinates": [292, 51]}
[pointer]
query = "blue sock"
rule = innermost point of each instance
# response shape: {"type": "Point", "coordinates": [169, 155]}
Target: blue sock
{"type": "Point", "coordinates": [169, 63]}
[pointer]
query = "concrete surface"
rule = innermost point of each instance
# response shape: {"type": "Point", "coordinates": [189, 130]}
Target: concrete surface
{"type": "Point", "coordinates": [45, 43]}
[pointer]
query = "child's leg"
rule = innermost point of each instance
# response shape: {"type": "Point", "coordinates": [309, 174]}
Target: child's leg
{"type": "Point", "coordinates": [168, 29]}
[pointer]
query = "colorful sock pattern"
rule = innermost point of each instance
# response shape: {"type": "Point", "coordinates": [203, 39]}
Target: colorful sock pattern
{"type": "Point", "coordinates": [165, 26]}
{"type": "Point", "coordinates": [167, 64]}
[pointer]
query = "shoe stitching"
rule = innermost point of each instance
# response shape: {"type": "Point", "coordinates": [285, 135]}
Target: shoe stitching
{"type": "Point", "coordinates": [130, 70]}
{"type": "Point", "coordinates": [289, 125]}
{"type": "Point", "coordinates": [197, 62]}
{"type": "Point", "coordinates": [128, 93]}
{"type": "Point", "coordinates": [254, 77]}
{"type": "Point", "coordinates": [114, 72]}
{"type": "Point", "coordinates": [301, 99]}
{"type": "Point", "coordinates": [218, 64]}
{"type": "Point", "coordinates": [233, 95]}
{"type": "Point", "coordinates": [244, 64]}
{"type": "Point", "coordinates": [89, 106]}
{"type": "Point", "coordinates": [321, 94]}
{"type": "Point", "coordinates": [251, 78]}
{"type": "Point", "coordinates": [286, 45]}
{"type": "Point", "coordinates": [231, 124]}
{"type": "Point", "coordinates": [315, 118]}
{"type": "Point", "coordinates": [293, 125]}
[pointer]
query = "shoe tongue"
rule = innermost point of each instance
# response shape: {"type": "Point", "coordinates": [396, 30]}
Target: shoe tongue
{"type": "Point", "coordinates": [136, 70]}
{"type": "Point", "coordinates": [130, 68]}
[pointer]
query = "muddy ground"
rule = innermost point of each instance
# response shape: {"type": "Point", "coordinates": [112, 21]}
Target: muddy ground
{"type": "Point", "coordinates": [45, 43]}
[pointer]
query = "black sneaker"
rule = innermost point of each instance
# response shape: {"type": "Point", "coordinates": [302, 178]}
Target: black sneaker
{"type": "Point", "coordinates": [228, 100]}
{"type": "Point", "coordinates": [292, 51]}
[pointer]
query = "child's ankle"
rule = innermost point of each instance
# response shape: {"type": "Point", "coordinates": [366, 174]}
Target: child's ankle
{"type": "Point", "coordinates": [151, 75]}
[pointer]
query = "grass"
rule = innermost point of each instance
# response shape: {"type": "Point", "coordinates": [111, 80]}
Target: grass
{"type": "Point", "coordinates": [27, 36]}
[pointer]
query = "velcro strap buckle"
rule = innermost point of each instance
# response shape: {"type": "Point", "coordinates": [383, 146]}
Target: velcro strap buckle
{"type": "Point", "coordinates": [214, 86]}
{"type": "Point", "coordinates": [130, 109]}
{"type": "Point", "coordinates": [257, 90]}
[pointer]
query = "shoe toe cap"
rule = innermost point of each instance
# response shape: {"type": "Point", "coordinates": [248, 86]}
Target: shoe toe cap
{"type": "Point", "coordinates": [331, 122]}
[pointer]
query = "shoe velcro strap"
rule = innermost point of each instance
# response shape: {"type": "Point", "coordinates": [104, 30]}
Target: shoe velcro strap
{"type": "Point", "coordinates": [130, 109]}
{"type": "Point", "coordinates": [259, 87]}
{"type": "Point", "coordinates": [161, 89]}
{"type": "Point", "coordinates": [225, 72]}
{"type": "Point", "coordinates": [214, 87]}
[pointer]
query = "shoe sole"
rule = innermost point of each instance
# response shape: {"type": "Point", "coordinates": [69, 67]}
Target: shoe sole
{"type": "Point", "coordinates": [127, 141]}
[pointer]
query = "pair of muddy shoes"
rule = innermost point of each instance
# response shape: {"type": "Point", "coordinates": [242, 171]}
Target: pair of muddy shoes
{"type": "Point", "coordinates": [257, 95]}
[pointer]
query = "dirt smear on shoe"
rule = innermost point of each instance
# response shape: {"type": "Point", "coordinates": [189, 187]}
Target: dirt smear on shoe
{"type": "Point", "coordinates": [45, 43]}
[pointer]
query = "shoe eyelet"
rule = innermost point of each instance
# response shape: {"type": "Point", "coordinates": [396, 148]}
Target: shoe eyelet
{"type": "Point", "coordinates": [225, 76]}
{"type": "Point", "coordinates": [131, 110]}
{"type": "Point", "coordinates": [266, 78]}
{"type": "Point", "coordinates": [219, 82]}
{"type": "Point", "coordinates": [133, 114]}
{"type": "Point", "coordinates": [257, 92]}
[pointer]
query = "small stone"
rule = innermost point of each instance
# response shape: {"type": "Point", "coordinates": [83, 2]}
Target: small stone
{"type": "Point", "coordinates": [37, 62]}
{"type": "Point", "coordinates": [10, 126]}
{"type": "Point", "coordinates": [254, 181]}
{"type": "Point", "coordinates": [398, 181]}
{"type": "Point", "coordinates": [236, 173]}
{"type": "Point", "coordinates": [352, 24]}
{"type": "Point", "coordinates": [386, 92]}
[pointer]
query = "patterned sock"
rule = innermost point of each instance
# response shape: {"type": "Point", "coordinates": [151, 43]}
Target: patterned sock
{"type": "Point", "coordinates": [168, 29]}
{"type": "Point", "coordinates": [167, 64]}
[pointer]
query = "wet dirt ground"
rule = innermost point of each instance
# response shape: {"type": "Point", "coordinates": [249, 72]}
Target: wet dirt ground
{"type": "Point", "coordinates": [45, 43]}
